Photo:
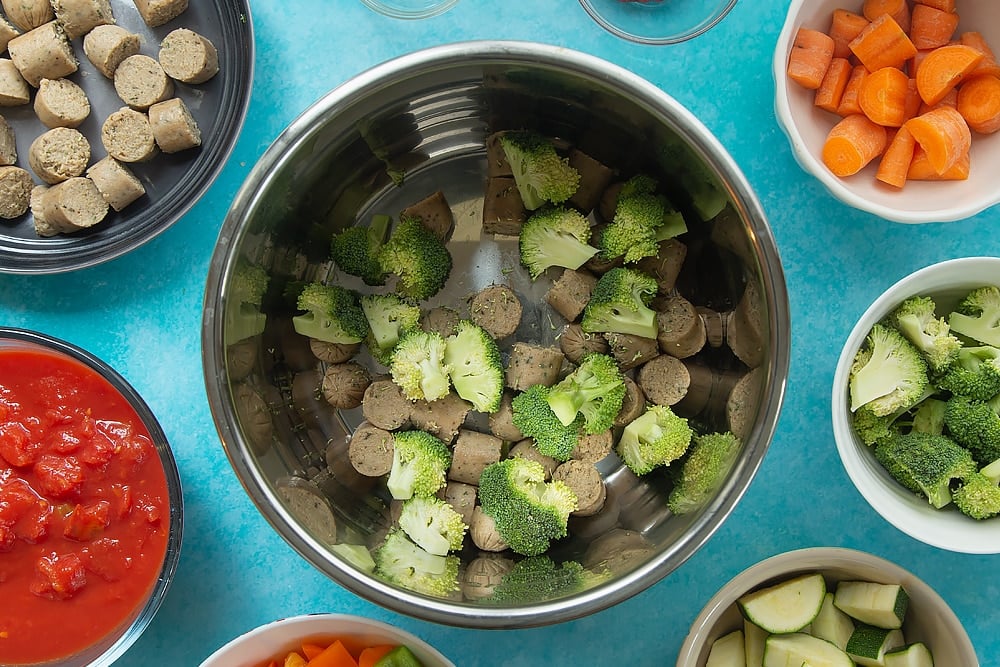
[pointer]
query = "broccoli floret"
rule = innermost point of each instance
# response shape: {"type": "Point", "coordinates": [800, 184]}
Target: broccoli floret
{"type": "Point", "coordinates": [540, 174]}
{"type": "Point", "coordinates": [400, 561]}
{"type": "Point", "coordinates": [533, 416]}
{"type": "Point", "coordinates": [246, 294]}
{"type": "Point", "coordinates": [556, 236]}
{"type": "Point", "coordinates": [389, 316]}
{"type": "Point", "coordinates": [931, 335]}
{"type": "Point", "coordinates": [539, 578]}
{"type": "Point", "coordinates": [355, 250]}
{"type": "Point", "coordinates": [925, 464]}
{"type": "Point", "coordinates": [594, 389]}
{"type": "Point", "coordinates": [929, 416]}
{"type": "Point", "coordinates": [528, 512]}
{"type": "Point", "coordinates": [475, 366]}
{"type": "Point", "coordinates": [870, 427]}
{"type": "Point", "coordinates": [642, 219]}
{"type": "Point", "coordinates": [978, 497]}
{"type": "Point", "coordinates": [888, 373]}
{"type": "Point", "coordinates": [710, 458]}
{"type": "Point", "coordinates": [654, 438]}
{"type": "Point", "coordinates": [975, 425]}
{"type": "Point", "coordinates": [418, 257]}
{"type": "Point", "coordinates": [419, 464]}
{"type": "Point", "coordinates": [975, 374]}
{"type": "Point", "coordinates": [418, 365]}
{"type": "Point", "coordinates": [432, 524]}
{"type": "Point", "coordinates": [978, 316]}
{"type": "Point", "coordinates": [333, 316]}
{"type": "Point", "coordinates": [619, 304]}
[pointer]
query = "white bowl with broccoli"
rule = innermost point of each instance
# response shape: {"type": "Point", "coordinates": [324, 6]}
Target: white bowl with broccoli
{"type": "Point", "coordinates": [916, 405]}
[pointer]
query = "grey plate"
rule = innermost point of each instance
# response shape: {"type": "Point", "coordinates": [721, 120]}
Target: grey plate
{"type": "Point", "coordinates": [173, 182]}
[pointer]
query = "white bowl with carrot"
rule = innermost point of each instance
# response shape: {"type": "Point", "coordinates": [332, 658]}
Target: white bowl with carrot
{"type": "Point", "coordinates": [894, 104]}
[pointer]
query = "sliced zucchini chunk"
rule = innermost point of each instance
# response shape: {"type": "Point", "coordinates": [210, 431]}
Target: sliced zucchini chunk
{"type": "Point", "coordinates": [796, 648]}
{"type": "Point", "coordinates": [728, 651]}
{"type": "Point", "coordinates": [832, 624]}
{"type": "Point", "coordinates": [881, 605]}
{"type": "Point", "coordinates": [913, 655]}
{"type": "Point", "coordinates": [868, 644]}
{"type": "Point", "coordinates": [753, 638]}
{"type": "Point", "coordinates": [785, 607]}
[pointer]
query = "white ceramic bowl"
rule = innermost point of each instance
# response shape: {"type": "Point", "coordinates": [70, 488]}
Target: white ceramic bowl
{"type": "Point", "coordinates": [928, 619]}
{"type": "Point", "coordinates": [807, 127]}
{"type": "Point", "coordinates": [946, 282]}
{"type": "Point", "coordinates": [274, 639]}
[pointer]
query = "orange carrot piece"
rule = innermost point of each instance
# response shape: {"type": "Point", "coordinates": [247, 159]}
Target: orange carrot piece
{"type": "Point", "coordinates": [882, 44]}
{"type": "Point", "coordinates": [988, 65]}
{"type": "Point", "coordinates": [310, 651]}
{"type": "Point", "coordinates": [831, 90]}
{"type": "Point", "coordinates": [943, 5]}
{"type": "Point", "coordinates": [943, 69]}
{"type": "Point", "coordinates": [944, 134]}
{"type": "Point", "coordinates": [918, 58]}
{"type": "Point", "coordinates": [373, 654]}
{"type": "Point", "coordinates": [899, 10]}
{"type": "Point", "coordinates": [845, 26]}
{"type": "Point", "coordinates": [810, 57]}
{"type": "Point", "coordinates": [911, 107]}
{"type": "Point", "coordinates": [852, 143]}
{"type": "Point", "coordinates": [883, 96]}
{"type": "Point", "coordinates": [931, 28]}
{"type": "Point", "coordinates": [334, 655]}
{"type": "Point", "coordinates": [294, 659]}
{"type": "Point", "coordinates": [921, 169]}
{"type": "Point", "coordinates": [896, 159]}
{"type": "Point", "coordinates": [978, 101]}
{"type": "Point", "coordinates": [849, 100]}
{"type": "Point", "coordinates": [949, 100]}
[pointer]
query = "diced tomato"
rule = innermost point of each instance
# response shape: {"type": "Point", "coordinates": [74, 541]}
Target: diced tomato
{"type": "Point", "coordinates": [16, 500]}
{"type": "Point", "coordinates": [7, 538]}
{"type": "Point", "coordinates": [63, 441]}
{"type": "Point", "coordinates": [59, 577]}
{"type": "Point", "coordinates": [98, 450]}
{"type": "Point", "coordinates": [87, 522]}
{"type": "Point", "coordinates": [59, 476]}
{"type": "Point", "coordinates": [148, 508]}
{"type": "Point", "coordinates": [106, 557]}
{"type": "Point", "coordinates": [16, 445]}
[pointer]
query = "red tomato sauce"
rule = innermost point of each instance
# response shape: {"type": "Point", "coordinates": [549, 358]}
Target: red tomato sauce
{"type": "Point", "coordinates": [84, 509]}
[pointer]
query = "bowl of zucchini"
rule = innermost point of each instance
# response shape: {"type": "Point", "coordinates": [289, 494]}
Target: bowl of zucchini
{"type": "Point", "coordinates": [827, 606]}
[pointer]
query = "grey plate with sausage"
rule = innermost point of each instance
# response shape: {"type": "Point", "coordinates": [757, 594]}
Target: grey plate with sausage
{"type": "Point", "coordinates": [173, 182]}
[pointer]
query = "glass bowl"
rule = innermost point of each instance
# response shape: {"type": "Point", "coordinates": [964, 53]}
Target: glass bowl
{"type": "Point", "coordinates": [410, 9]}
{"type": "Point", "coordinates": [657, 21]}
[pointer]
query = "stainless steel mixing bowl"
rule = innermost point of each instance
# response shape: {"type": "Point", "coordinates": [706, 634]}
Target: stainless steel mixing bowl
{"type": "Point", "coordinates": [387, 138]}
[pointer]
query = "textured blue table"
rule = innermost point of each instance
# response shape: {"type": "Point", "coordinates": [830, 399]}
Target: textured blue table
{"type": "Point", "coordinates": [142, 314]}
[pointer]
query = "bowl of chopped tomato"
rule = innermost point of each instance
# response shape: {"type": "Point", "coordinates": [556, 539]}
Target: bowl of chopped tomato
{"type": "Point", "coordinates": [90, 506]}
{"type": "Point", "coordinates": [894, 105]}
{"type": "Point", "coordinates": [327, 640]}
{"type": "Point", "coordinates": [657, 22]}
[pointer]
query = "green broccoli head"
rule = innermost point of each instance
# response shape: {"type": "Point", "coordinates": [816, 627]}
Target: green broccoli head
{"type": "Point", "coordinates": [655, 438]}
{"type": "Point", "coordinates": [978, 497]}
{"type": "Point", "coordinates": [417, 257]}
{"type": "Point", "coordinates": [929, 416]}
{"type": "Point", "coordinates": [400, 561]}
{"type": "Point", "coordinates": [333, 314]}
{"type": "Point", "coordinates": [541, 579]}
{"type": "Point", "coordinates": [555, 236]}
{"type": "Point", "coordinates": [594, 389]}
{"type": "Point", "coordinates": [975, 425]}
{"type": "Point", "coordinates": [888, 373]}
{"type": "Point", "coordinates": [529, 513]}
{"type": "Point", "coordinates": [540, 174]}
{"type": "Point", "coordinates": [639, 184]}
{"type": "Point", "coordinates": [249, 283]}
{"type": "Point", "coordinates": [916, 320]}
{"type": "Point", "coordinates": [533, 416]}
{"type": "Point", "coordinates": [475, 366]}
{"type": "Point", "coordinates": [975, 374]}
{"type": "Point", "coordinates": [872, 428]}
{"type": "Point", "coordinates": [355, 250]}
{"type": "Point", "coordinates": [389, 316]}
{"type": "Point", "coordinates": [978, 316]}
{"type": "Point", "coordinates": [243, 316]}
{"type": "Point", "coordinates": [419, 465]}
{"type": "Point", "coordinates": [619, 304]}
{"type": "Point", "coordinates": [418, 365]}
{"type": "Point", "coordinates": [925, 463]}
{"type": "Point", "coordinates": [710, 458]}
{"type": "Point", "coordinates": [432, 524]}
{"type": "Point", "coordinates": [641, 221]}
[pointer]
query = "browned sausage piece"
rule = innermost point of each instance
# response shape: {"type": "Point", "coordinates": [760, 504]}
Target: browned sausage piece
{"type": "Point", "coordinates": [106, 46]}
{"type": "Point", "coordinates": [502, 421]}
{"type": "Point", "coordinates": [344, 385]}
{"type": "Point", "coordinates": [483, 531]}
{"type": "Point", "coordinates": [71, 205]}
{"type": "Point", "coordinates": [462, 498]}
{"type": "Point", "coordinates": [370, 450]}
{"type": "Point", "coordinates": [333, 353]}
{"type": "Point", "coordinates": [497, 309]}
{"type": "Point", "coordinates": [525, 449]}
{"type": "Point", "coordinates": [631, 351]}
{"type": "Point", "coordinates": [745, 330]}
{"type": "Point", "coordinates": [127, 136]}
{"type": "Point", "coordinates": [716, 324]}
{"type": "Point", "coordinates": [594, 180]}
{"type": "Point", "coordinates": [385, 406]}
{"type": "Point", "coordinates": [118, 185]}
{"type": "Point", "coordinates": [174, 128]}
{"type": "Point", "coordinates": [496, 159]}
{"type": "Point", "coordinates": [592, 448]}
{"type": "Point", "coordinates": [188, 56]}
{"type": "Point", "coordinates": [681, 331]}
{"type": "Point", "coordinates": [442, 320]}
{"type": "Point", "coordinates": [43, 53]}
{"type": "Point", "coordinates": [533, 364]}
{"type": "Point", "coordinates": [42, 226]}
{"type": "Point", "coordinates": [61, 103]}
{"type": "Point", "coordinates": [59, 154]}
{"type": "Point", "coordinates": [7, 33]}
{"type": "Point", "coordinates": [597, 264]}
{"type": "Point", "coordinates": [586, 482]}
{"type": "Point", "coordinates": [78, 17]}
{"type": "Point", "coordinates": [140, 82]}
{"type": "Point", "coordinates": [633, 405]}
{"type": "Point", "coordinates": [666, 265]}
{"type": "Point", "coordinates": [434, 211]}
{"type": "Point", "coordinates": [664, 380]}
{"type": "Point", "coordinates": [15, 192]}
{"type": "Point", "coordinates": [157, 12]}
{"type": "Point", "coordinates": [741, 406]}
{"type": "Point", "coordinates": [609, 201]}
{"type": "Point", "coordinates": [27, 14]}
{"type": "Point", "coordinates": [503, 209]}
{"type": "Point", "coordinates": [575, 343]}
{"type": "Point", "coordinates": [569, 295]}
{"type": "Point", "coordinates": [8, 143]}
{"type": "Point", "coordinates": [483, 575]}
{"type": "Point", "coordinates": [14, 90]}
{"type": "Point", "coordinates": [441, 418]}
{"type": "Point", "coordinates": [472, 453]}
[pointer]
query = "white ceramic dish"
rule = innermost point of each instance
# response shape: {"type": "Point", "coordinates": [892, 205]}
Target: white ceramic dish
{"type": "Point", "coordinates": [807, 126]}
{"type": "Point", "coordinates": [946, 282]}
{"type": "Point", "coordinates": [928, 619]}
{"type": "Point", "coordinates": [270, 641]}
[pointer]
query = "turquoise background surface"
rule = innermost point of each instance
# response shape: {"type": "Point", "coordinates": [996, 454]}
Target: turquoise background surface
{"type": "Point", "coordinates": [142, 314]}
